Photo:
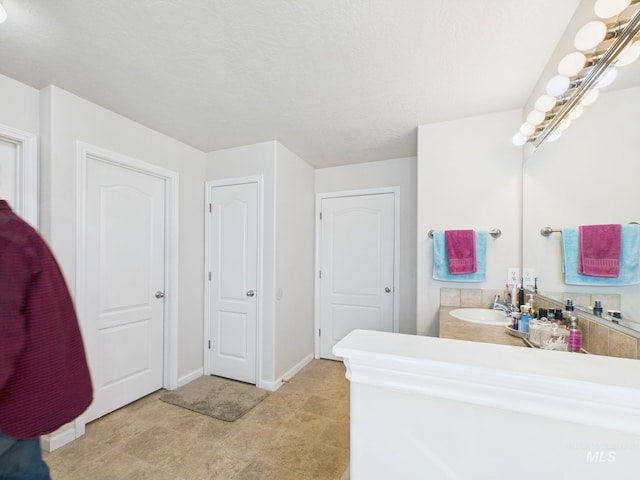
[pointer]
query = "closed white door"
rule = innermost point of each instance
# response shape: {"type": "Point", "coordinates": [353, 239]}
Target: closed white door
{"type": "Point", "coordinates": [124, 308]}
{"type": "Point", "coordinates": [233, 247]}
{"type": "Point", "coordinates": [357, 267]}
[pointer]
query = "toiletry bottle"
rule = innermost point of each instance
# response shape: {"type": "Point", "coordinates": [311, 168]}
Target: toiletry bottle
{"type": "Point", "coordinates": [520, 296]}
{"type": "Point", "coordinates": [575, 336]}
{"type": "Point", "coordinates": [597, 308]}
{"type": "Point", "coordinates": [569, 309]}
{"type": "Point", "coordinates": [532, 311]}
{"type": "Point", "coordinates": [558, 316]}
{"type": "Point", "coordinates": [525, 317]}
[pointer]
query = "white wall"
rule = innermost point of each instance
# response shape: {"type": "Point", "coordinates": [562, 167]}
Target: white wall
{"type": "Point", "coordinates": [67, 119]}
{"type": "Point", "coordinates": [399, 172]}
{"type": "Point", "coordinates": [258, 159]}
{"type": "Point", "coordinates": [20, 105]}
{"type": "Point", "coordinates": [469, 176]}
{"type": "Point", "coordinates": [295, 225]}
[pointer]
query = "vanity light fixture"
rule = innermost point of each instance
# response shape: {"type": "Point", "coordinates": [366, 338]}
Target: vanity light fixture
{"type": "Point", "coordinates": [3, 13]}
{"type": "Point", "coordinates": [602, 47]}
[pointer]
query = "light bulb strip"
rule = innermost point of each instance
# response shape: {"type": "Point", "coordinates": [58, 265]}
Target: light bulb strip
{"type": "Point", "coordinates": [619, 43]}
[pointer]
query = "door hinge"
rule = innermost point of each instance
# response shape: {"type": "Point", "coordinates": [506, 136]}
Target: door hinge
{"type": "Point", "coordinates": [320, 215]}
{"type": "Point", "coordinates": [209, 344]}
{"type": "Point", "coordinates": [210, 278]}
{"type": "Point", "coordinates": [320, 274]}
{"type": "Point", "coordinates": [319, 332]}
{"type": "Point", "coordinates": [210, 207]}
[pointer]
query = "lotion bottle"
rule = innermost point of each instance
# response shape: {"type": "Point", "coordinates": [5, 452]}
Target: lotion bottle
{"type": "Point", "coordinates": [575, 336]}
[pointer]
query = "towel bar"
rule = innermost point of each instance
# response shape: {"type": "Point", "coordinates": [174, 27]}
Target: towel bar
{"type": "Point", "coordinates": [547, 231]}
{"type": "Point", "coordinates": [495, 233]}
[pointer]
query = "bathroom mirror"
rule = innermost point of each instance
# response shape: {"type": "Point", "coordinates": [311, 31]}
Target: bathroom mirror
{"type": "Point", "coordinates": [591, 175]}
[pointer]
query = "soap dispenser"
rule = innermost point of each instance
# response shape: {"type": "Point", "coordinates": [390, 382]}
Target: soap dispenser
{"type": "Point", "coordinates": [532, 310]}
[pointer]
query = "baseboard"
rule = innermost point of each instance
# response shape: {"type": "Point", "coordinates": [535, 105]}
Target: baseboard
{"type": "Point", "coordinates": [190, 377]}
{"type": "Point", "coordinates": [275, 385]}
{"type": "Point", "coordinates": [57, 439]}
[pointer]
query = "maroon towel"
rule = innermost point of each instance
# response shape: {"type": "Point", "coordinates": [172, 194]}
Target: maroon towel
{"type": "Point", "coordinates": [461, 250]}
{"type": "Point", "coordinates": [600, 247]}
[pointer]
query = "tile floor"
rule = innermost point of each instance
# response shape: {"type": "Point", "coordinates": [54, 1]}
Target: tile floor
{"type": "Point", "coordinates": [299, 432]}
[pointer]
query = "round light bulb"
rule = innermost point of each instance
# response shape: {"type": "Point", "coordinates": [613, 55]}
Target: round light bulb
{"type": "Point", "coordinates": [564, 124]}
{"type": "Point", "coordinates": [571, 64]}
{"type": "Point", "coordinates": [610, 8]}
{"type": "Point", "coordinates": [629, 55]}
{"type": "Point", "coordinates": [590, 97]}
{"type": "Point", "coordinates": [590, 35]}
{"type": "Point", "coordinates": [527, 129]}
{"type": "Point", "coordinates": [576, 113]}
{"type": "Point", "coordinates": [519, 139]}
{"type": "Point", "coordinates": [3, 14]}
{"type": "Point", "coordinates": [555, 135]}
{"type": "Point", "coordinates": [558, 85]}
{"type": "Point", "coordinates": [545, 103]}
{"type": "Point", "coordinates": [607, 78]}
{"type": "Point", "coordinates": [535, 117]}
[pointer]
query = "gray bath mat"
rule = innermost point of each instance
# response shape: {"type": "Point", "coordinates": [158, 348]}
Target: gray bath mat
{"type": "Point", "coordinates": [216, 397]}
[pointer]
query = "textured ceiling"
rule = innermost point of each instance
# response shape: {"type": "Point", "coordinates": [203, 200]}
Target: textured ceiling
{"type": "Point", "coordinates": [336, 81]}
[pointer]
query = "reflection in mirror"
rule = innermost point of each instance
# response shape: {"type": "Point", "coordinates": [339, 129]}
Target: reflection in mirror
{"type": "Point", "coordinates": [590, 176]}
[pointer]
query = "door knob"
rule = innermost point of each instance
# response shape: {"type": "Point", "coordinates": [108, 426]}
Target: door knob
{"type": "Point", "coordinates": [159, 294]}
{"type": "Point", "coordinates": [250, 293]}
{"type": "Point", "coordinates": [387, 289]}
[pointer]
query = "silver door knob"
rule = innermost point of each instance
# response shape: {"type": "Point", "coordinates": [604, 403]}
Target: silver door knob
{"type": "Point", "coordinates": [387, 289]}
{"type": "Point", "coordinates": [250, 293]}
{"type": "Point", "coordinates": [159, 294]}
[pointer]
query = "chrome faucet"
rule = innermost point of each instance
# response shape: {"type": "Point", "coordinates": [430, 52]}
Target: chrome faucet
{"type": "Point", "coordinates": [506, 308]}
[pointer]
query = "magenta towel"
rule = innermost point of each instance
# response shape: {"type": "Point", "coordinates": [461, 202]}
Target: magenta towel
{"type": "Point", "coordinates": [461, 250]}
{"type": "Point", "coordinates": [600, 247]}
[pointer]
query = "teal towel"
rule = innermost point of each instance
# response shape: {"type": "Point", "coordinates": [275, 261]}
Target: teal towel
{"type": "Point", "coordinates": [441, 260]}
{"type": "Point", "coordinates": [629, 259]}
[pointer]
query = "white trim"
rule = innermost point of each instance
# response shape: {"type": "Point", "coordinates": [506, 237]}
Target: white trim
{"type": "Point", "coordinates": [171, 277]}
{"type": "Point", "coordinates": [190, 377]}
{"type": "Point", "coordinates": [26, 181]}
{"type": "Point", "coordinates": [396, 253]}
{"type": "Point", "coordinates": [259, 181]}
{"type": "Point", "coordinates": [275, 385]}
{"type": "Point", "coordinates": [57, 439]}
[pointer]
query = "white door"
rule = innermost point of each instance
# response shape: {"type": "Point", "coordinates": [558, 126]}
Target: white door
{"type": "Point", "coordinates": [124, 306]}
{"type": "Point", "coordinates": [357, 266]}
{"type": "Point", "coordinates": [233, 244]}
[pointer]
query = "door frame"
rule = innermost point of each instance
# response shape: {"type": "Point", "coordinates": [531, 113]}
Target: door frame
{"type": "Point", "coordinates": [84, 152]}
{"type": "Point", "coordinates": [396, 254]}
{"type": "Point", "coordinates": [258, 180]}
{"type": "Point", "coordinates": [27, 182]}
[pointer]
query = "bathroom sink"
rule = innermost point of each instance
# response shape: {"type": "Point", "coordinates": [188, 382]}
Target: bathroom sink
{"type": "Point", "coordinates": [484, 316]}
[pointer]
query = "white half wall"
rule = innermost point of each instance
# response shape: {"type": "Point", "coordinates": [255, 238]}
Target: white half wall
{"type": "Point", "coordinates": [295, 225]}
{"type": "Point", "coordinates": [469, 177]}
{"type": "Point", "coordinates": [399, 172]}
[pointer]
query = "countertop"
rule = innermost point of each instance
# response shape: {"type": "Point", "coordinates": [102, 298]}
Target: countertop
{"type": "Point", "coordinates": [451, 327]}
